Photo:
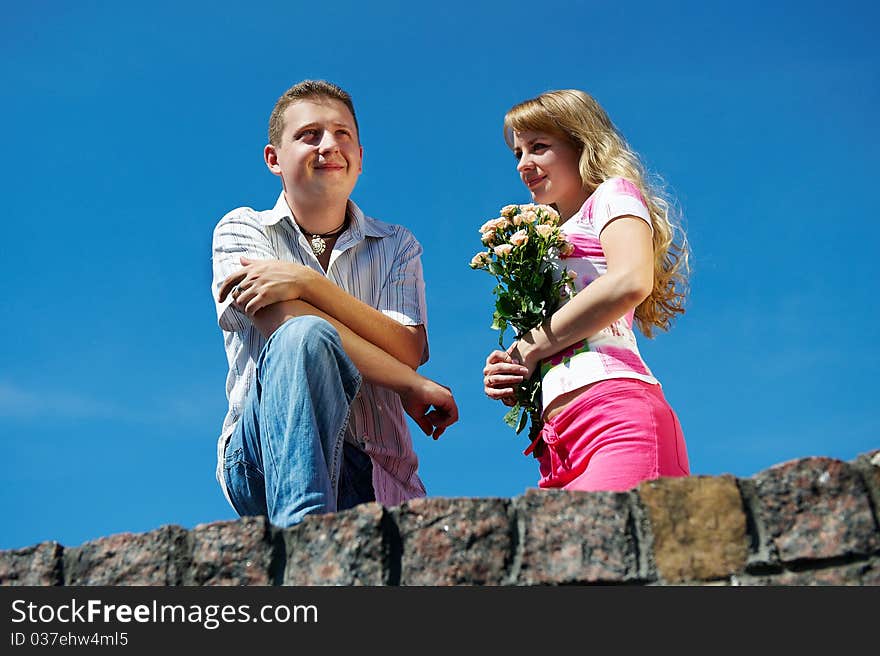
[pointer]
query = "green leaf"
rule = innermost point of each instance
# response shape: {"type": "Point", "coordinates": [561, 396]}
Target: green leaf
{"type": "Point", "coordinates": [499, 322]}
{"type": "Point", "coordinates": [511, 416]}
{"type": "Point", "coordinates": [506, 305]}
{"type": "Point", "coordinates": [522, 422]}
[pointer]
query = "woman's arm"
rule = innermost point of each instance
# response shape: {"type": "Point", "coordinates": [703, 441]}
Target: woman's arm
{"type": "Point", "coordinates": [628, 281]}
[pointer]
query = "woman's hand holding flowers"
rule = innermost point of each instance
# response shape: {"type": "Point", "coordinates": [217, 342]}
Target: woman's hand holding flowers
{"type": "Point", "coordinates": [502, 375]}
{"type": "Point", "coordinates": [522, 250]}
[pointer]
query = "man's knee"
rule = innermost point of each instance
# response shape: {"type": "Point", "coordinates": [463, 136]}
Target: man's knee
{"type": "Point", "coordinates": [305, 335]}
{"type": "Point", "coordinates": [308, 347]}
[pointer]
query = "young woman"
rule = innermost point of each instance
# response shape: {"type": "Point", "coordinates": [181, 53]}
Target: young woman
{"type": "Point", "coordinates": [607, 425]}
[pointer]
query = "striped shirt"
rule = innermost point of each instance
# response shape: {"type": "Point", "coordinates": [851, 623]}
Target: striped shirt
{"type": "Point", "coordinates": [378, 263]}
{"type": "Point", "coordinates": [612, 352]}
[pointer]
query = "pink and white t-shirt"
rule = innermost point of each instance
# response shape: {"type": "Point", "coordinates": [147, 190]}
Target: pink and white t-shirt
{"type": "Point", "coordinates": [612, 352]}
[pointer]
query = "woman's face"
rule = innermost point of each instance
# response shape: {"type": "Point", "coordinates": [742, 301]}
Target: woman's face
{"type": "Point", "coordinates": [548, 166]}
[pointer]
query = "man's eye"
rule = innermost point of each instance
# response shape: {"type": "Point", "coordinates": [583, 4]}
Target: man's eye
{"type": "Point", "coordinates": [307, 134]}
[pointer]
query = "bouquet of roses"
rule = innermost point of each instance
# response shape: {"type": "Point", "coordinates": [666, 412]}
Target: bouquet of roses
{"type": "Point", "coordinates": [523, 249]}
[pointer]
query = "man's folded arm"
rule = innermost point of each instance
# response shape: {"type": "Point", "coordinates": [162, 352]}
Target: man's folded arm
{"type": "Point", "coordinates": [269, 282]}
{"type": "Point", "coordinates": [376, 365]}
{"type": "Point", "coordinates": [430, 404]}
{"type": "Point", "coordinates": [405, 343]}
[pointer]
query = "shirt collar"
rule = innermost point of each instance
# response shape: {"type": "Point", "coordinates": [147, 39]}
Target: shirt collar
{"type": "Point", "coordinates": [361, 225]}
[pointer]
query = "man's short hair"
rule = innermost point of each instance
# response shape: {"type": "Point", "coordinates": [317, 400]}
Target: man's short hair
{"type": "Point", "coordinates": [302, 91]}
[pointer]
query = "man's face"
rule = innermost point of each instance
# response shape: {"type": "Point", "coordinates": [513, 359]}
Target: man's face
{"type": "Point", "coordinates": [319, 157]}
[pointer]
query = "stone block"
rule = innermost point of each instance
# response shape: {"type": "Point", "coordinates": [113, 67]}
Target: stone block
{"type": "Point", "coordinates": [455, 541]}
{"type": "Point", "coordinates": [576, 538]}
{"type": "Point", "coordinates": [815, 508]}
{"type": "Point", "coordinates": [158, 557]}
{"type": "Point", "coordinates": [346, 548]}
{"type": "Point", "coordinates": [39, 564]}
{"type": "Point", "coordinates": [237, 552]}
{"type": "Point", "coordinates": [869, 465]}
{"type": "Point", "coordinates": [698, 525]}
{"type": "Point", "coordinates": [862, 574]}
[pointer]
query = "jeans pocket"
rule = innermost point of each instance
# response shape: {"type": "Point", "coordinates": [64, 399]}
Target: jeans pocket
{"type": "Point", "coordinates": [245, 484]}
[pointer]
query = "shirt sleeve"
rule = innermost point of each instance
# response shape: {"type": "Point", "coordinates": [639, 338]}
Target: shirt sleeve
{"type": "Point", "coordinates": [403, 294]}
{"type": "Point", "coordinates": [619, 197]}
{"type": "Point", "coordinates": [238, 234]}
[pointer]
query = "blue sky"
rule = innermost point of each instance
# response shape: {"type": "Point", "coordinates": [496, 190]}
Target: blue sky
{"type": "Point", "coordinates": [131, 128]}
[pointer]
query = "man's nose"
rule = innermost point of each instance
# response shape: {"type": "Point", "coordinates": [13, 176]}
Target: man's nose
{"type": "Point", "coordinates": [328, 142]}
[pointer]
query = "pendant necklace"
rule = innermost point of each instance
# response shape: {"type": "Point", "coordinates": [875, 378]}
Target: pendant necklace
{"type": "Point", "coordinates": [318, 241]}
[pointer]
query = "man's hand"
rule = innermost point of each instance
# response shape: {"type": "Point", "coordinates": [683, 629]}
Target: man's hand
{"type": "Point", "coordinates": [260, 283]}
{"type": "Point", "coordinates": [502, 374]}
{"type": "Point", "coordinates": [418, 400]}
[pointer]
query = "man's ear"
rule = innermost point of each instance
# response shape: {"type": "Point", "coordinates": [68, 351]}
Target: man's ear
{"type": "Point", "coordinates": [270, 155]}
{"type": "Point", "coordinates": [361, 168]}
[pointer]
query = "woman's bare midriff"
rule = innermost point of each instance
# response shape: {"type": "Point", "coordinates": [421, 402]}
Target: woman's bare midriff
{"type": "Point", "coordinates": [559, 404]}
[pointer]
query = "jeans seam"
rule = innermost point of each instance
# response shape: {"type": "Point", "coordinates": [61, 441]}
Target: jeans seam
{"type": "Point", "coordinates": [249, 467]}
{"type": "Point", "coordinates": [231, 495]}
{"type": "Point", "coordinates": [340, 438]}
{"type": "Point", "coordinates": [266, 445]}
{"type": "Point", "coordinates": [679, 437]}
{"type": "Point", "coordinates": [276, 478]}
{"type": "Point", "coordinates": [655, 435]}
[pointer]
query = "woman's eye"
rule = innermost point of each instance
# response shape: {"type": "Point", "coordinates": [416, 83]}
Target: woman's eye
{"type": "Point", "coordinates": [538, 146]}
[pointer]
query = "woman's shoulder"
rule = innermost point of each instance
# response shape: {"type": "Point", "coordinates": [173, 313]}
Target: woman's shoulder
{"type": "Point", "coordinates": [603, 197]}
{"type": "Point", "coordinates": [616, 197]}
{"type": "Point", "coordinates": [619, 186]}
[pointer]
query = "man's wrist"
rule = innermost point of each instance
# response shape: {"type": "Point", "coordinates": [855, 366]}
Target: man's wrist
{"type": "Point", "coordinates": [408, 383]}
{"type": "Point", "coordinates": [305, 278]}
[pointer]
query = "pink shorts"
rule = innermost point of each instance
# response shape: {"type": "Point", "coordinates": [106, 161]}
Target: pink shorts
{"type": "Point", "coordinates": [615, 435]}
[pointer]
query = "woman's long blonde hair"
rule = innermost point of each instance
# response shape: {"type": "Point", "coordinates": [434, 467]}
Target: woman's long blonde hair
{"type": "Point", "coordinates": [605, 154]}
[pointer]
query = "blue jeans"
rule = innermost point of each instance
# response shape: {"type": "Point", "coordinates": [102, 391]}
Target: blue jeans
{"type": "Point", "coordinates": [286, 457]}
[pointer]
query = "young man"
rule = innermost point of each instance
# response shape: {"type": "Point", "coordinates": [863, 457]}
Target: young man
{"type": "Point", "coordinates": [323, 314]}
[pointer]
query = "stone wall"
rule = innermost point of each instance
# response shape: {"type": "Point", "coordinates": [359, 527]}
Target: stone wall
{"type": "Point", "coordinates": [811, 521]}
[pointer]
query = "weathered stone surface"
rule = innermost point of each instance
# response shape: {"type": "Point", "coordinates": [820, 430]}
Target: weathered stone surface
{"type": "Point", "coordinates": [812, 521]}
{"type": "Point", "coordinates": [159, 557]}
{"type": "Point", "coordinates": [39, 564]}
{"type": "Point", "coordinates": [863, 573]}
{"type": "Point", "coordinates": [345, 548]}
{"type": "Point", "coordinates": [576, 537]}
{"type": "Point", "coordinates": [815, 508]}
{"type": "Point", "coordinates": [455, 541]}
{"type": "Point", "coordinates": [869, 465]}
{"type": "Point", "coordinates": [871, 573]}
{"type": "Point", "coordinates": [698, 525]}
{"type": "Point", "coordinates": [237, 552]}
